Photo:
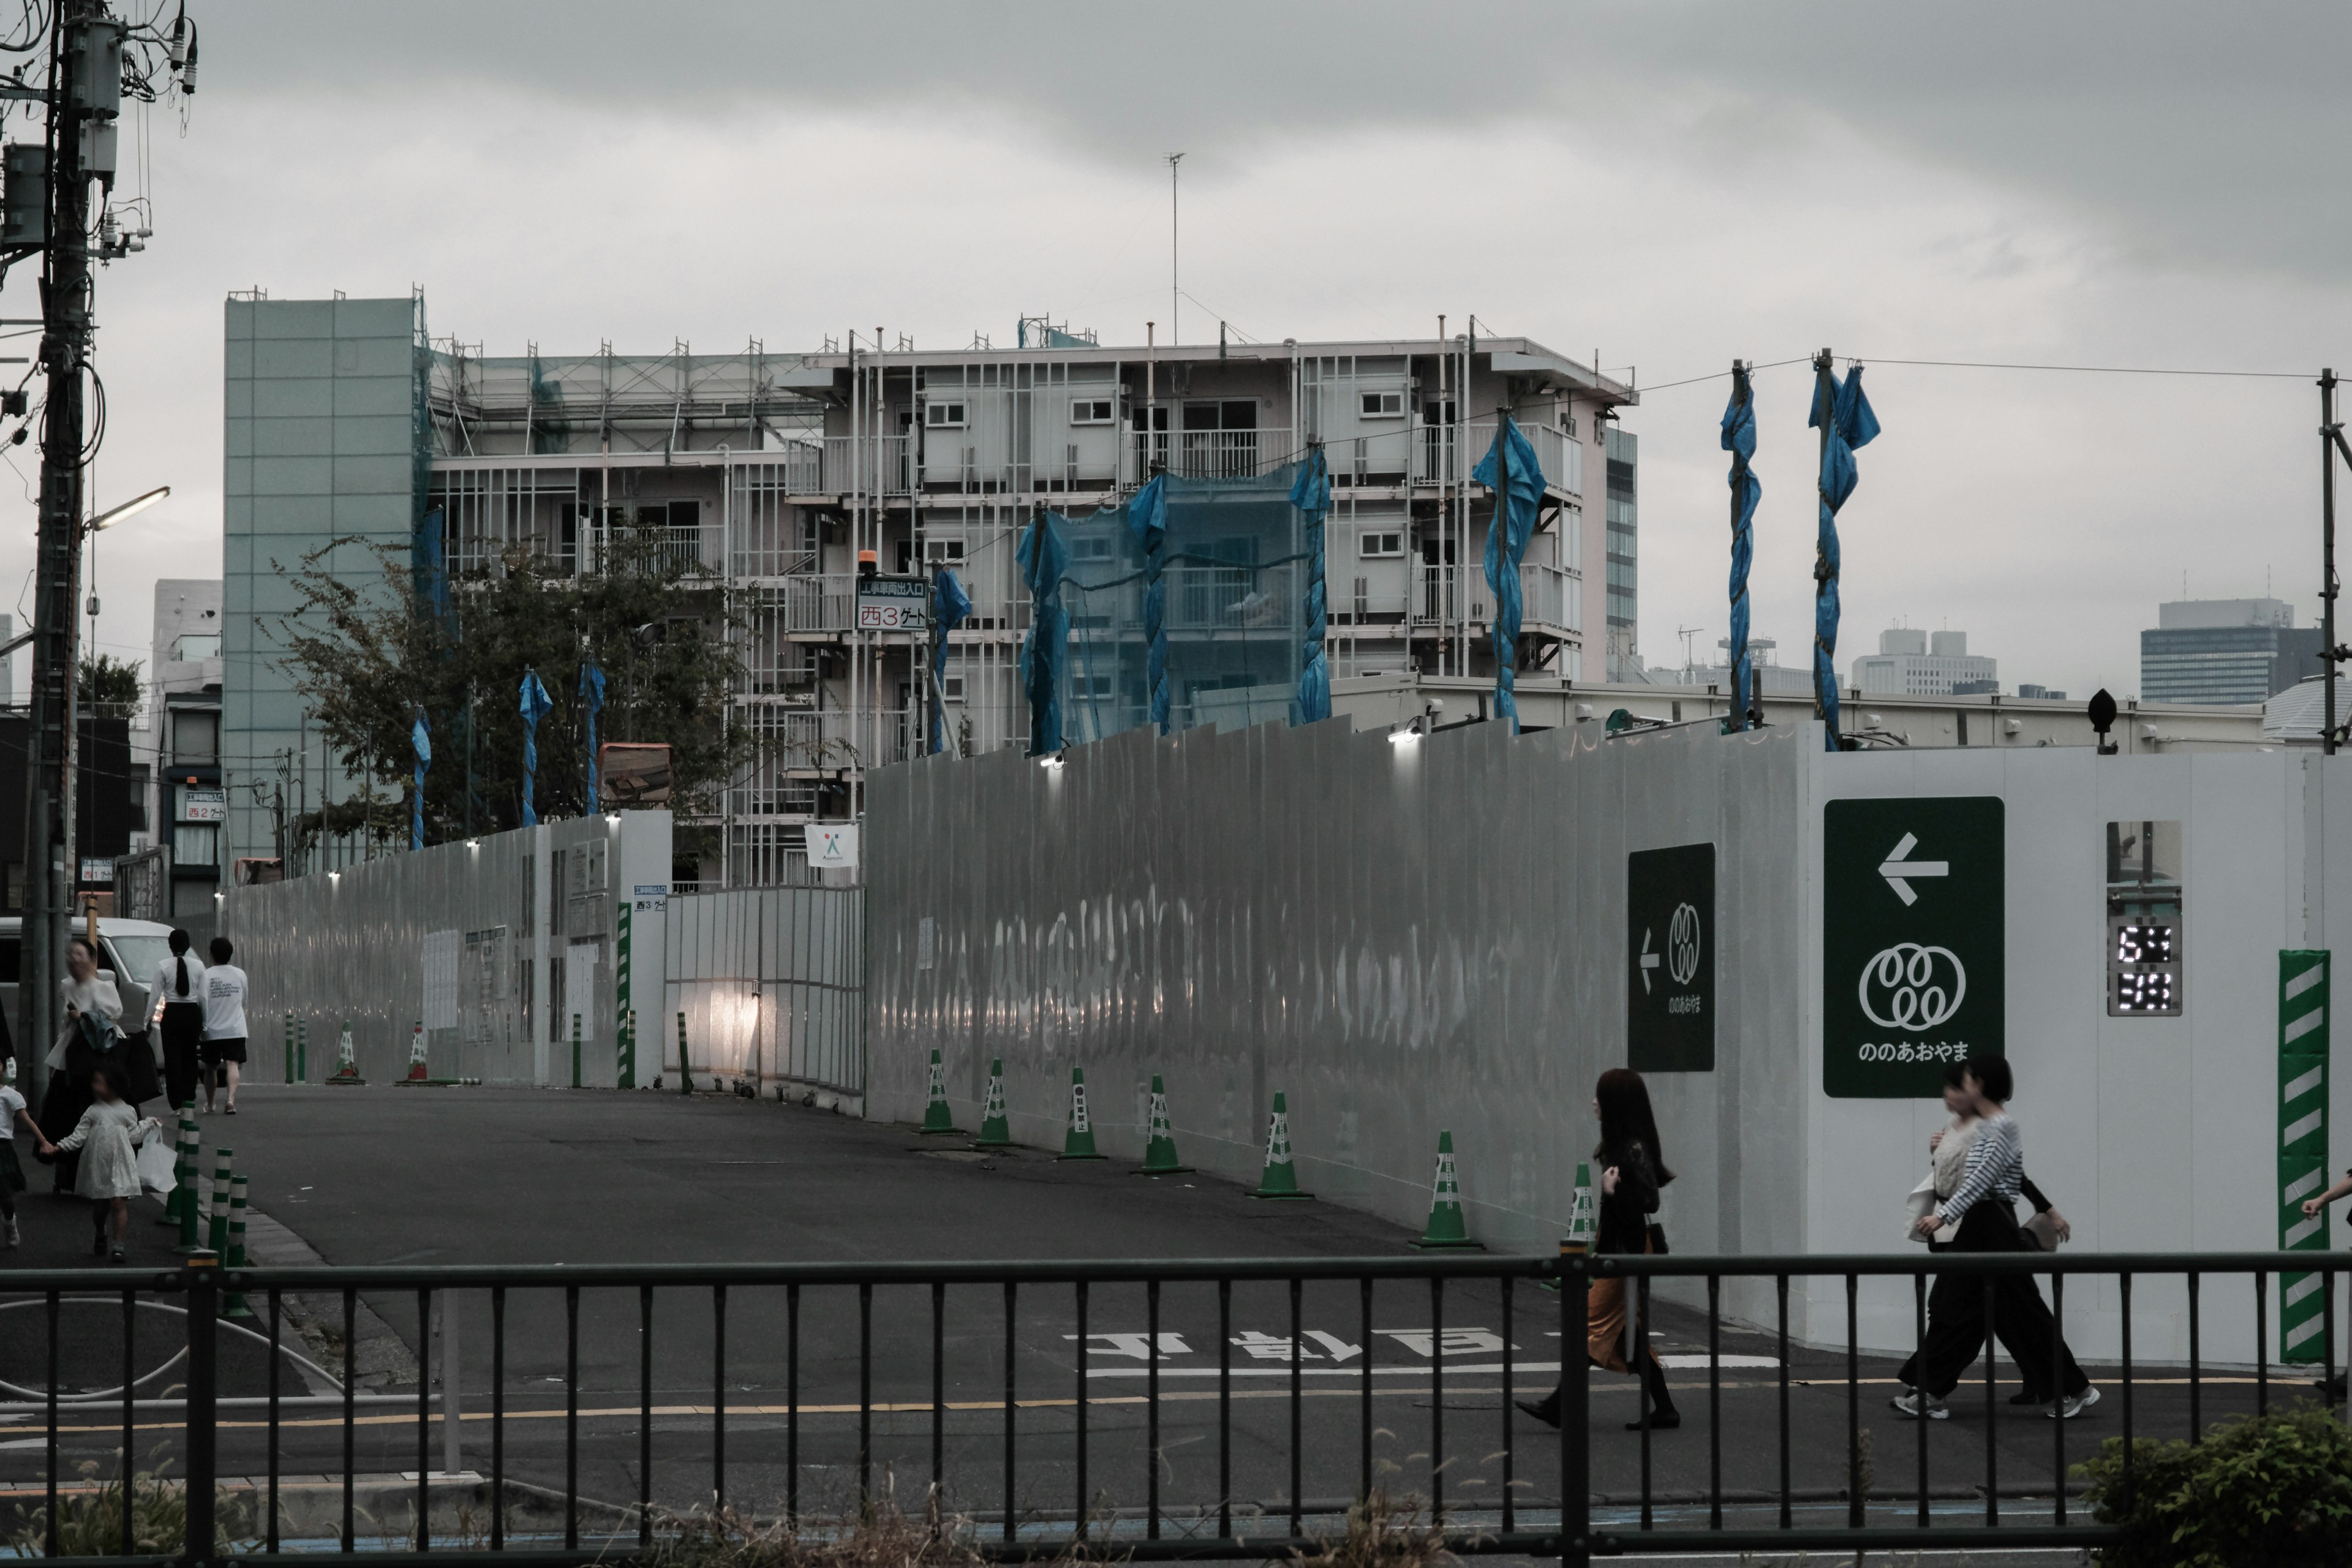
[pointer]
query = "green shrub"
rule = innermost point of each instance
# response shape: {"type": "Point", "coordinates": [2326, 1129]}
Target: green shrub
{"type": "Point", "coordinates": [2272, 1490]}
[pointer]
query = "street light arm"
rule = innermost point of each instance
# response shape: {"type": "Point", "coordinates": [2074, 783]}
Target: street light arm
{"type": "Point", "coordinates": [136, 504]}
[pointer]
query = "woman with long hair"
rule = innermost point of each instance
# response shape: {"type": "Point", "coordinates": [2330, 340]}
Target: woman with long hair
{"type": "Point", "coordinates": [1632, 1168]}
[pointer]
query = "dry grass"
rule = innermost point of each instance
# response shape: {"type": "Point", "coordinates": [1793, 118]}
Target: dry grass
{"type": "Point", "coordinates": [1385, 1532]}
{"type": "Point", "coordinates": [90, 1523]}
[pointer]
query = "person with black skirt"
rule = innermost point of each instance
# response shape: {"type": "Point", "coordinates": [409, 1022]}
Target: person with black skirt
{"type": "Point", "coordinates": [1984, 1203]}
{"type": "Point", "coordinates": [178, 989]}
{"type": "Point", "coordinates": [1633, 1171]}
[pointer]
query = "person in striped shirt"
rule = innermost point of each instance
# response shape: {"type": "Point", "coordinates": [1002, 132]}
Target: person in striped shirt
{"type": "Point", "coordinates": [1984, 1206]}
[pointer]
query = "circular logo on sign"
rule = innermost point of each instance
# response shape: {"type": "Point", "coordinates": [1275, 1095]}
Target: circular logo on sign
{"type": "Point", "coordinates": [1682, 944]}
{"type": "Point", "coordinates": [1909, 986]}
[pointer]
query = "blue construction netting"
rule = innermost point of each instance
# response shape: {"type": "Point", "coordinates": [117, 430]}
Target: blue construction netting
{"type": "Point", "coordinates": [1747, 490]}
{"type": "Point", "coordinates": [1185, 604]}
{"type": "Point", "coordinates": [1847, 421]}
{"type": "Point", "coordinates": [1507, 534]}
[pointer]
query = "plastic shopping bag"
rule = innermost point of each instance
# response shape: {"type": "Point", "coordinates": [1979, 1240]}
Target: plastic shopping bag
{"type": "Point", "coordinates": [157, 1163]}
{"type": "Point", "coordinates": [1918, 1205]}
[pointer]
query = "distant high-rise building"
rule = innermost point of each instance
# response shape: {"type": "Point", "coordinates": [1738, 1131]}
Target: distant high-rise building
{"type": "Point", "coordinates": [2224, 650]}
{"type": "Point", "coordinates": [1913, 662]}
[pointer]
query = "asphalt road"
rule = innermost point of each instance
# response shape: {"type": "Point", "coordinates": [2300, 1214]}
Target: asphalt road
{"type": "Point", "coordinates": [481, 1175]}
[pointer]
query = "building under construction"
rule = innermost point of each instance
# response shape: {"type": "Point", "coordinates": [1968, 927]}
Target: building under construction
{"type": "Point", "coordinates": [775, 474]}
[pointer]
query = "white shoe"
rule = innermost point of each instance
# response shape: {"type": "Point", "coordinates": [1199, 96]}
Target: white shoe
{"type": "Point", "coordinates": [2073, 1406]}
{"type": "Point", "coordinates": [1922, 1406]}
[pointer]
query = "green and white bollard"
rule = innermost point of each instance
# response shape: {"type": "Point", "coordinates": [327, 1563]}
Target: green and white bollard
{"type": "Point", "coordinates": [191, 1173]}
{"type": "Point", "coordinates": [216, 1233]}
{"type": "Point", "coordinates": [235, 1306]}
{"type": "Point", "coordinates": [685, 1063]}
{"type": "Point", "coordinates": [575, 1050]}
{"type": "Point", "coordinates": [182, 1162]}
{"type": "Point", "coordinates": [2301, 1149]}
{"type": "Point", "coordinates": [288, 1053]}
{"type": "Point", "coordinates": [302, 1051]}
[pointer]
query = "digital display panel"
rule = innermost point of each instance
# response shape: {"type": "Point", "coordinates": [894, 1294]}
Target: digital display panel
{"type": "Point", "coordinates": [2145, 899]}
{"type": "Point", "coordinates": [2143, 941]}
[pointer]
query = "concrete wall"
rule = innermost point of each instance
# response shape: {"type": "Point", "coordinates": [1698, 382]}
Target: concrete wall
{"type": "Point", "coordinates": [1433, 936]}
{"type": "Point", "coordinates": [492, 945]}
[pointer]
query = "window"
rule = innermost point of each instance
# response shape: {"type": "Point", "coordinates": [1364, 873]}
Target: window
{"type": "Point", "coordinates": [943, 416]}
{"type": "Point", "coordinates": [1096, 686]}
{"type": "Point", "coordinates": [1383, 406]}
{"type": "Point", "coordinates": [943, 552]}
{"type": "Point", "coordinates": [1091, 411]}
{"type": "Point", "coordinates": [195, 845]}
{"type": "Point", "coordinates": [951, 687]}
{"type": "Point", "coordinates": [195, 736]}
{"type": "Point", "coordinates": [1378, 546]}
{"type": "Point", "coordinates": [196, 645]}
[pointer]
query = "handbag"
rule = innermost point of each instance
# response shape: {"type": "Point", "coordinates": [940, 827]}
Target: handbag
{"type": "Point", "coordinates": [157, 1162]}
{"type": "Point", "coordinates": [1918, 1205]}
{"type": "Point", "coordinates": [2042, 1231]}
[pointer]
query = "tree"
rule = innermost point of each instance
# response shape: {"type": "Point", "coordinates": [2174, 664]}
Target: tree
{"type": "Point", "coordinates": [108, 686]}
{"type": "Point", "coordinates": [369, 656]}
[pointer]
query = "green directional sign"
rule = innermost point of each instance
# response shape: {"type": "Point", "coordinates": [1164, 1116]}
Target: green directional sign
{"type": "Point", "coordinates": [1670, 968]}
{"type": "Point", "coordinates": [1912, 934]}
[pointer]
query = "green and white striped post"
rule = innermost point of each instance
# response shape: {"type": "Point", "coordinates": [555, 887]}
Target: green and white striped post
{"type": "Point", "coordinates": [624, 1058]}
{"type": "Point", "coordinates": [234, 1304]}
{"type": "Point", "coordinates": [2303, 1146]}
{"type": "Point", "coordinates": [216, 1233]}
{"type": "Point", "coordinates": [190, 1173]}
{"type": "Point", "coordinates": [289, 1047]}
{"type": "Point", "coordinates": [685, 1062]}
{"type": "Point", "coordinates": [302, 1051]}
{"type": "Point", "coordinates": [575, 1050]}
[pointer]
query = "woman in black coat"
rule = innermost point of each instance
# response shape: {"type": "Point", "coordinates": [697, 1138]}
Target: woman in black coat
{"type": "Point", "coordinates": [1633, 1171]}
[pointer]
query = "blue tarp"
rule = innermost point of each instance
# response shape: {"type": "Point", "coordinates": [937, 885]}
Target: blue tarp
{"type": "Point", "coordinates": [535, 704]}
{"type": "Point", "coordinates": [1844, 414]}
{"type": "Point", "coordinates": [421, 738]}
{"type": "Point", "coordinates": [1740, 440]}
{"type": "Point", "coordinates": [1311, 495]}
{"type": "Point", "coordinates": [592, 697]}
{"type": "Point", "coordinates": [950, 606]}
{"type": "Point", "coordinates": [1507, 545]}
{"type": "Point", "coordinates": [1044, 556]}
{"type": "Point", "coordinates": [1147, 519]}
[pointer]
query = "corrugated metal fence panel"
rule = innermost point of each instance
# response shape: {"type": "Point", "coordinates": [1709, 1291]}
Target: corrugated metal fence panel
{"type": "Point", "coordinates": [1405, 940]}
{"type": "Point", "coordinates": [769, 983]}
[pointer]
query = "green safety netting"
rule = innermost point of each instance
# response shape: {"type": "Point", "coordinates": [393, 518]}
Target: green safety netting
{"type": "Point", "coordinates": [1187, 604]}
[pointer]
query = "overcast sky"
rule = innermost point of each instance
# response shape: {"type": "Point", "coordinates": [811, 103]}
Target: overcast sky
{"type": "Point", "coordinates": [1673, 185]}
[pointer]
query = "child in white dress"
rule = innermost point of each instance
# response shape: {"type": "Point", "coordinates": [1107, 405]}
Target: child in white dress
{"type": "Point", "coordinates": [107, 1137]}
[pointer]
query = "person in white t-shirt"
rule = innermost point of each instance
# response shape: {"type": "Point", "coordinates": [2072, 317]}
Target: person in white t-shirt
{"type": "Point", "coordinates": [11, 1175]}
{"type": "Point", "coordinates": [222, 1050]}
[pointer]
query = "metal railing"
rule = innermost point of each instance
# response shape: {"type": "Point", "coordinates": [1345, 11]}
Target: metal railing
{"type": "Point", "coordinates": [1445, 453]}
{"type": "Point", "coordinates": [1054, 1405]}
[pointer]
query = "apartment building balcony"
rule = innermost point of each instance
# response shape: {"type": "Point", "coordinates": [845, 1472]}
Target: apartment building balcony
{"type": "Point", "coordinates": [832, 740]}
{"type": "Point", "coordinates": [1551, 597]}
{"type": "Point", "coordinates": [1445, 453]}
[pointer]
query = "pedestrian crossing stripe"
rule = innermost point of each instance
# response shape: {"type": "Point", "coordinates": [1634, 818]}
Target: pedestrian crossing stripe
{"type": "Point", "coordinates": [2303, 1144]}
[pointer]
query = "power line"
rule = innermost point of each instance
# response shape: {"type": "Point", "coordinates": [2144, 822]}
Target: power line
{"type": "Point", "coordinates": [1999, 364]}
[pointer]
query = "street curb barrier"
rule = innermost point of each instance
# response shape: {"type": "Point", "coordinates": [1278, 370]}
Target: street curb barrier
{"type": "Point", "coordinates": [233, 1304]}
{"type": "Point", "coordinates": [1281, 1178]}
{"type": "Point", "coordinates": [995, 1126]}
{"type": "Point", "coordinates": [937, 1119]}
{"type": "Point", "coordinates": [1446, 1232]}
{"type": "Point", "coordinates": [347, 1064]}
{"type": "Point", "coordinates": [216, 1233]}
{"type": "Point", "coordinates": [1160, 1143]}
{"type": "Point", "coordinates": [1078, 1143]}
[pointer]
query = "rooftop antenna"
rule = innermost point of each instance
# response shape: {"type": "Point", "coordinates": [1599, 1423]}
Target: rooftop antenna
{"type": "Point", "coordinates": [1686, 632]}
{"type": "Point", "coordinates": [1175, 335]}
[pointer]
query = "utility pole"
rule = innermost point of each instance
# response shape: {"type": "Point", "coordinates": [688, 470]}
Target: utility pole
{"type": "Point", "coordinates": [1174, 336]}
{"type": "Point", "coordinates": [82, 99]}
{"type": "Point", "coordinates": [2330, 436]}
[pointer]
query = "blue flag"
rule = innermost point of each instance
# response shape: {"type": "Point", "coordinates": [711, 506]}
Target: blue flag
{"type": "Point", "coordinates": [422, 740]}
{"type": "Point", "coordinates": [536, 703]}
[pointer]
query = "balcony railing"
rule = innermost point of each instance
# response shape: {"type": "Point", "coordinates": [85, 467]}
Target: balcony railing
{"type": "Point", "coordinates": [1211, 454]}
{"type": "Point", "coordinates": [834, 738]}
{"type": "Point", "coordinates": [1445, 453]}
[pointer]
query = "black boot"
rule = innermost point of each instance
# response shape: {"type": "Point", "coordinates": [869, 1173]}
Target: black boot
{"type": "Point", "coordinates": [1664, 1416]}
{"type": "Point", "coordinates": [1546, 1410]}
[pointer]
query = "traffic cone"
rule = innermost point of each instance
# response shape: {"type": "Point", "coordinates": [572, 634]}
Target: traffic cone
{"type": "Point", "coordinates": [1446, 1232]}
{"type": "Point", "coordinates": [937, 1116]}
{"type": "Point", "coordinates": [1281, 1178]}
{"type": "Point", "coordinates": [1582, 1222]}
{"type": "Point", "coordinates": [416, 1073]}
{"type": "Point", "coordinates": [235, 1306]}
{"type": "Point", "coordinates": [347, 1061]}
{"type": "Point", "coordinates": [217, 1234]}
{"type": "Point", "coordinates": [1078, 1143]}
{"type": "Point", "coordinates": [995, 1129]}
{"type": "Point", "coordinates": [1159, 1148]}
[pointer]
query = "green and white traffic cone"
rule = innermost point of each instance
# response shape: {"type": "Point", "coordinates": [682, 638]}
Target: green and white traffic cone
{"type": "Point", "coordinates": [1582, 1222]}
{"type": "Point", "coordinates": [191, 1140]}
{"type": "Point", "coordinates": [1281, 1178]}
{"type": "Point", "coordinates": [1078, 1143]}
{"type": "Point", "coordinates": [1160, 1145]}
{"type": "Point", "coordinates": [936, 1117]}
{"type": "Point", "coordinates": [347, 1061]}
{"type": "Point", "coordinates": [216, 1233]}
{"type": "Point", "coordinates": [1446, 1231]}
{"type": "Point", "coordinates": [235, 1306]}
{"type": "Point", "coordinates": [995, 1127]}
